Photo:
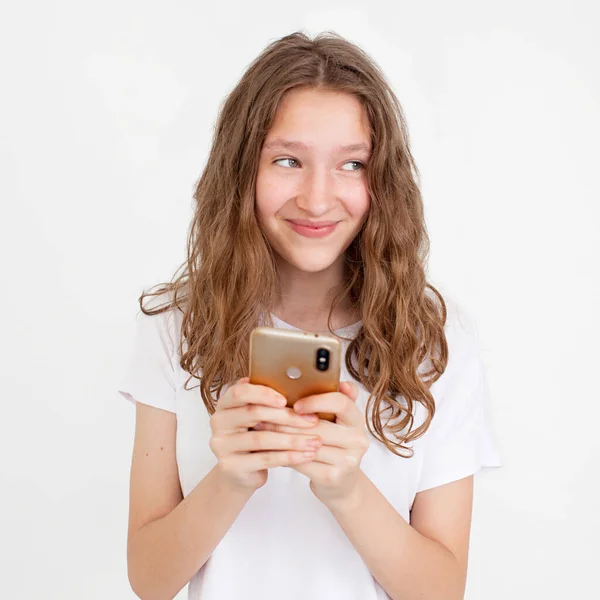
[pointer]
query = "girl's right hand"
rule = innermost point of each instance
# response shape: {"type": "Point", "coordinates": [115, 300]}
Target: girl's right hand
{"type": "Point", "coordinates": [245, 456]}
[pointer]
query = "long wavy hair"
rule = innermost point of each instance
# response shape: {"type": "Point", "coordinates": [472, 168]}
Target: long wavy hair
{"type": "Point", "coordinates": [228, 283]}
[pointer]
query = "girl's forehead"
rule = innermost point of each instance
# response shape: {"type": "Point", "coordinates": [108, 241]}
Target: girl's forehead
{"type": "Point", "coordinates": [307, 121]}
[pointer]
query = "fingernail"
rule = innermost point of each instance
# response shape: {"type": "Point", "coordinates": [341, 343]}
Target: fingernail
{"type": "Point", "coordinates": [310, 417]}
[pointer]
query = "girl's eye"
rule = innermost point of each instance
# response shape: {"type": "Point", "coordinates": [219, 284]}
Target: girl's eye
{"type": "Point", "coordinates": [356, 162]}
{"type": "Point", "coordinates": [290, 159]}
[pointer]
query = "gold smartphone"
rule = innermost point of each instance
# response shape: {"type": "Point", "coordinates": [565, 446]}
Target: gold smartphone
{"type": "Point", "coordinates": [295, 363]}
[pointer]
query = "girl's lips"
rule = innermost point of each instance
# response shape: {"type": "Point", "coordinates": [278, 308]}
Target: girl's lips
{"type": "Point", "coordinates": [312, 232]}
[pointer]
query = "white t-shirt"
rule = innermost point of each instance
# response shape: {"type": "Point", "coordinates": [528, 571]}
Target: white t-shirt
{"type": "Point", "coordinates": [285, 543]}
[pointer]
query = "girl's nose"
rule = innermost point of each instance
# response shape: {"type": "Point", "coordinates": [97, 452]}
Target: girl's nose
{"type": "Point", "coordinates": [317, 192]}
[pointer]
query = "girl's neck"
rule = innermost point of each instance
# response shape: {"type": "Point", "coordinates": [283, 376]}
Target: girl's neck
{"type": "Point", "coordinates": [304, 299]}
{"type": "Point", "coordinates": [308, 320]}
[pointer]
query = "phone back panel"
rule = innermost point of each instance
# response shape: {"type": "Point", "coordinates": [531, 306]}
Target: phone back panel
{"type": "Point", "coordinates": [274, 351]}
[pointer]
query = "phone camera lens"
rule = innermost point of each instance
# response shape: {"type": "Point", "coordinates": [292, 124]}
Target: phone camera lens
{"type": "Point", "coordinates": [322, 359]}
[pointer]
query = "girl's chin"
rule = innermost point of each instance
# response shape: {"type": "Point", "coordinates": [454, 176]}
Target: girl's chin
{"type": "Point", "coordinates": [310, 266]}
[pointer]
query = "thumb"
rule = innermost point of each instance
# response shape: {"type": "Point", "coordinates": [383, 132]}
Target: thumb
{"type": "Point", "coordinates": [350, 389]}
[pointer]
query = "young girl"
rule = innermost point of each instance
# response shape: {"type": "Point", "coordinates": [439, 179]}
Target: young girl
{"type": "Point", "coordinates": [308, 217]}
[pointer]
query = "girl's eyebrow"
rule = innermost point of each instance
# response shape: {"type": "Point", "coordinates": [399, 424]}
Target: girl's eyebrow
{"type": "Point", "coordinates": [295, 145]}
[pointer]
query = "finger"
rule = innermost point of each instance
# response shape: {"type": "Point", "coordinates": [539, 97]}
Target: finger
{"type": "Point", "coordinates": [350, 389]}
{"type": "Point", "coordinates": [317, 470]}
{"type": "Point", "coordinates": [243, 393]}
{"type": "Point", "coordinates": [258, 441]}
{"type": "Point", "coordinates": [337, 458]}
{"type": "Point", "coordinates": [257, 461]}
{"type": "Point", "coordinates": [326, 462]}
{"type": "Point", "coordinates": [346, 411]}
{"type": "Point", "coordinates": [252, 414]}
{"type": "Point", "coordinates": [330, 433]}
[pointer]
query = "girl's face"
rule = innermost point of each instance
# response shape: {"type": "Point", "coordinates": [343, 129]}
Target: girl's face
{"type": "Point", "coordinates": [311, 189]}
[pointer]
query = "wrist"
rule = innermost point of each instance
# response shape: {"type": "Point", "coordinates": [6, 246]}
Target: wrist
{"type": "Point", "coordinates": [350, 502]}
{"type": "Point", "coordinates": [226, 486]}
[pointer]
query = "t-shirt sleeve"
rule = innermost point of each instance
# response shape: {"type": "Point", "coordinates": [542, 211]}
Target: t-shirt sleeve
{"type": "Point", "coordinates": [149, 376]}
{"type": "Point", "coordinates": [460, 440]}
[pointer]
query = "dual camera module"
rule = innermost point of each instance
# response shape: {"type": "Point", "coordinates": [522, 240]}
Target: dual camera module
{"type": "Point", "coordinates": [322, 359]}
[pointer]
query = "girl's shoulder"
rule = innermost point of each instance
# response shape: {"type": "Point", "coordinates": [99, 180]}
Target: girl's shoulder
{"type": "Point", "coordinates": [163, 315]}
{"type": "Point", "coordinates": [460, 327]}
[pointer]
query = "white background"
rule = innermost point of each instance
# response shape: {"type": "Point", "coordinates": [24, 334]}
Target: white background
{"type": "Point", "coordinates": [107, 112]}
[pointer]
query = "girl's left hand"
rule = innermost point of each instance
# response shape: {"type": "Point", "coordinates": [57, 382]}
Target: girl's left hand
{"type": "Point", "coordinates": [335, 470]}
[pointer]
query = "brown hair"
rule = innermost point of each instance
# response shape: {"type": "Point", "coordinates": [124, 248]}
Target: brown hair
{"type": "Point", "coordinates": [230, 277]}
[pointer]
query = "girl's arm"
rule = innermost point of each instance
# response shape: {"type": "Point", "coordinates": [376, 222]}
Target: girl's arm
{"type": "Point", "coordinates": [170, 538]}
{"type": "Point", "coordinates": [426, 560]}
